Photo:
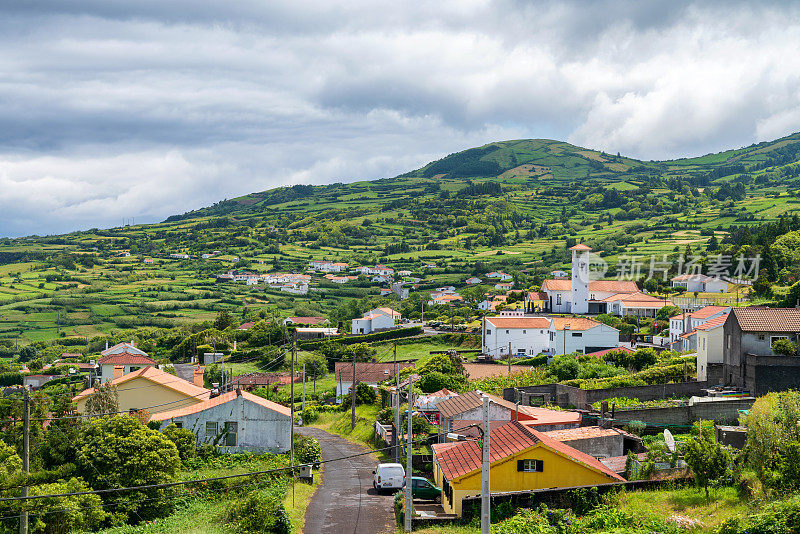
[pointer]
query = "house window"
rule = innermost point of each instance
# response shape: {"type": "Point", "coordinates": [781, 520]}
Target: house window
{"type": "Point", "coordinates": [178, 424]}
{"type": "Point", "coordinates": [212, 429]}
{"type": "Point", "coordinates": [558, 298]}
{"type": "Point", "coordinates": [577, 334]}
{"type": "Point", "coordinates": [488, 332]}
{"type": "Point", "coordinates": [530, 466]}
{"type": "Point", "coordinates": [506, 331]}
{"type": "Point", "coordinates": [762, 337]}
{"type": "Point", "coordinates": [704, 343]}
{"type": "Point", "coordinates": [524, 331]}
{"type": "Point", "coordinates": [773, 339]}
{"type": "Point", "coordinates": [231, 428]}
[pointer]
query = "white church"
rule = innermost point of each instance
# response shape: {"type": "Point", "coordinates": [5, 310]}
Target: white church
{"type": "Point", "coordinates": [580, 295]}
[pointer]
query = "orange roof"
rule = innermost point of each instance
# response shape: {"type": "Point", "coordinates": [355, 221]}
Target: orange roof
{"type": "Point", "coordinates": [584, 432]}
{"type": "Point", "coordinates": [758, 319]}
{"type": "Point", "coordinates": [713, 323]}
{"type": "Point", "coordinates": [222, 399]}
{"type": "Point", "coordinates": [519, 322]}
{"type": "Point", "coordinates": [639, 299]}
{"type": "Point", "coordinates": [157, 377]}
{"type": "Point", "coordinates": [708, 311]}
{"type": "Point", "coordinates": [544, 416]}
{"type": "Point", "coordinates": [580, 246]}
{"type": "Point", "coordinates": [464, 457]}
{"type": "Point", "coordinates": [390, 312]}
{"type": "Point", "coordinates": [126, 358]}
{"type": "Point", "coordinates": [574, 323]}
{"type": "Point", "coordinates": [469, 401]}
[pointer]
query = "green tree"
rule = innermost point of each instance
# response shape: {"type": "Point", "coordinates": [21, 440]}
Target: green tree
{"type": "Point", "coordinates": [666, 312]}
{"type": "Point", "coordinates": [224, 320]}
{"type": "Point", "coordinates": [28, 353]}
{"type": "Point", "coordinates": [184, 440]}
{"type": "Point", "coordinates": [316, 365]}
{"type": "Point", "coordinates": [104, 400]}
{"type": "Point", "coordinates": [762, 287]}
{"type": "Point", "coordinates": [705, 458]}
{"type": "Point", "coordinates": [116, 452]}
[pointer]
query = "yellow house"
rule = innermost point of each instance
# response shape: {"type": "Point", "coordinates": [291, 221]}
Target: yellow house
{"type": "Point", "coordinates": [152, 389]}
{"type": "Point", "coordinates": [521, 459]}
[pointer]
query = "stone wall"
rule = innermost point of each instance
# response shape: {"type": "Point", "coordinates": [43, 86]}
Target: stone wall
{"type": "Point", "coordinates": [564, 396]}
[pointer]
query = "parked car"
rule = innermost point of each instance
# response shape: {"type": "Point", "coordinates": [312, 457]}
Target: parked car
{"type": "Point", "coordinates": [421, 488]}
{"type": "Point", "coordinates": [388, 477]}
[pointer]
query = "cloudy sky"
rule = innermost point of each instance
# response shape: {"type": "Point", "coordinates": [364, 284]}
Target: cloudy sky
{"type": "Point", "coordinates": [145, 108]}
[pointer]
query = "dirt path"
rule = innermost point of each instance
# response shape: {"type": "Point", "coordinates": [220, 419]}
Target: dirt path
{"type": "Point", "coordinates": [345, 502]}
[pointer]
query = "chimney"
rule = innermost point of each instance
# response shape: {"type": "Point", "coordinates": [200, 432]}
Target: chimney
{"type": "Point", "coordinates": [118, 371]}
{"type": "Point", "coordinates": [132, 344]}
{"type": "Point", "coordinates": [106, 344]}
{"type": "Point", "coordinates": [238, 391]}
{"type": "Point", "coordinates": [198, 377]}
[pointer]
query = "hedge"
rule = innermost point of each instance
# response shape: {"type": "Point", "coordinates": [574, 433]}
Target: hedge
{"type": "Point", "coordinates": [10, 379]}
{"type": "Point", "coordinates": [366, 338]}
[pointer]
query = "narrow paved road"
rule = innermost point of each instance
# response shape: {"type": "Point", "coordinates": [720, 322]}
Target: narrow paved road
{"type": "Point", "coordinates": [345, 502]}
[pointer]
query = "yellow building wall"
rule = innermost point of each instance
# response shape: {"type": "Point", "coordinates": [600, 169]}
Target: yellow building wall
{"type": "Point", "coordinates": [140, 393]}
{"type": "Point", "coordinates": [557, 472]}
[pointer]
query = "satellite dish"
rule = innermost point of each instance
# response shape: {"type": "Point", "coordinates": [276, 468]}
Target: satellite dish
{"type": "Point", "coordinates": [670, 440]}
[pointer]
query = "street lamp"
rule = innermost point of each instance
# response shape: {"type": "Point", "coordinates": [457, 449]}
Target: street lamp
{"type": "Point", "coordinates": [566, 329]}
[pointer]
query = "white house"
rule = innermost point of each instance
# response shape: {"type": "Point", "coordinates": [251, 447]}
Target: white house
{"type": "Point", "coordinates": [238, 421]}
{"type": "Point", "coordinates": [117, 364]}
{"type": "Point", "coordinates": [504, 286]}
{"type": "Point", "coordinates": [328, 266]}
{"type": "Point", "coordinates": [559, 274]}
{"type": "Point", "coordinates": [700, 283]}
{"type": "Point", "coordinates": [686, 322]}
{"type": "Point", "coordinates": [123, 347]}
{"type": "Point", "coordinates": [709, 340]}
{"type": "Point", "coordinates": [579, 334]}
{"type": "Point", "coordinates": [638, 304]}
{"type": "Point", "coordinates": [499, 274]}
{"type": "Point", "coordinates": [526, 336]}
{"type": "Point", "coordinates": [473, 280]}
{"type": "Point", "coordinates": [395, 315]}
{"type": "Point", "coordinates": [373, 321]}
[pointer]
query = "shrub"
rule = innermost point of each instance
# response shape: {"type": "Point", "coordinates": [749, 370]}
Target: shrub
{"type": "Point", "coordinates": [435, 381]}
{"type": "Point", "coordinates": [784, 347]}
{"type": "Point", "coordinates": [184, 441]}
{"type": "Point", "coordinates": [310, 414]}
{"type": "Point", "coordinates": [260, 511]}
{"type": "Point", "coordinates": [307, 450]}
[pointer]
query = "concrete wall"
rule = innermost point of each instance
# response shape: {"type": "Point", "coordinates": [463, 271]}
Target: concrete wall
{"type": "Point", "coordinates": [726, 411]}
{"type": "Point", "coordinates": [771, 373]}
{"type": "Point", "coordinates": [259, 428]}
{"type": "Point", "coordinates": [567, 395]}
{"type": "Point", "coordinates": [599, 447]}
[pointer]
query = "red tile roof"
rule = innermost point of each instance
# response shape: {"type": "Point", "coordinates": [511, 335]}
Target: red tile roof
{"type": "Point", "coordinates": [546, 417]}
{"type": "Point", "coordinates": [126, 358]}
{"type": "Point", "coordinates": [519, 322]}
{"type": "Point", "coordinates": [758, 319]}
{"type": "Point", "coordinates": [370, 372]}
{"type": "Point", "coordinates": [222, 399]}
{"type": "Point", "coordinates": [713, 323]}
{"type": "Point", "coordinates": [459, 459]}
{"type": "Point", "coordinates": [708, 311]}
{"type": "Point", "coordinates": [469, 401]}
{"type": "Point", "coordinates": [580, 246]}
{"type": "Point", "coordinates": [608, 286]}
{"type": "Point", "coordinates": [584, 432]}
{"type": "Point", "coordinates": [575, 323]}
{"type": "Point", "coordinates": [246, 326]}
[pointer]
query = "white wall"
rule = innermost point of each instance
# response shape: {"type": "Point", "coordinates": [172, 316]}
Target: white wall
{"type": "Point", "coordinates": [580, 281]}
{"type": "Point", "coordinates": [600, 336]}
{"type": "Point", "coordinates": [564, 306]}
{"type": "Point", "coordinates": [533, 340]}
{"type": "Point", "coordinates": [709, 350]}
{"type": "Point", "coordinates": [716, 286]}
{"type": "Point", "coordinates": [260, 429]}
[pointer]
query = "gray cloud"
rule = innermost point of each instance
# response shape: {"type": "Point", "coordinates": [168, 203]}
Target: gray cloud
{"type": "Point", "coordinates": [112, 110]}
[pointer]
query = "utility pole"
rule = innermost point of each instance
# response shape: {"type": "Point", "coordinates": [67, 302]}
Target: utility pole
{"type": "Point", "coordinates": [291, 437]}
{"type": "Point", "coordinates": [486, 519]}
{"type": "Point", "coordinates": [26, 457]}
{"type": "Point", "coordinates": [409, 452]}
{"type": "Point", "coordinates": [353, 397]}
{"type": "Point", "coordinates": [396, 430]}
{"type": "Point", "coordinates": [509, 358]}
{"type": "Point", "coordinates": [304, 390]}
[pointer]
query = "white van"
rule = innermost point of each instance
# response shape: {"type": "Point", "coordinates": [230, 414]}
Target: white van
{"type": "Point", "coordinates": [388, 476]}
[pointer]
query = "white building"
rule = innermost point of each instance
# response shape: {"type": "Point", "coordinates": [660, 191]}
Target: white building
{"type": "Point", "coordinates": [709, 339]}
{"type": "Point", "coordinates": [328, 266]}
{"type": "Point", "coordinates": [579, 334]}
{"type": "Point", "coordinates": [499, 274]}
{"type": "Point", "coordinates": [686, 322]}
{"type": "Point", "coordinates": [395, 315]}
{"type": "Point", "coordinates": [237, 420]}
{"type": "Point", "coordinates": [638, 304]}
{"type": "Point", "coordinates": [372, 322]}
{"type": "Point", "coordinates": [474, 280]}
{"type": "Point", "coordinates": [117, 364]}
{"type": "Point", "coordinates": [526, 336]}
{"type": "Point", "coordinates": [700, 283]}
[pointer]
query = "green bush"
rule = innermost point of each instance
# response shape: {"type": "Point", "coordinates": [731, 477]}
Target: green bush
{"type": "Point", "coordinates": [184, 440]}
{"type": "Point", "coordinates": [260, 511]}
{"type": "Point", "coordinates": [310, 414]}
{"type": "Point", "coordinates": [367, 338]}
{"type": "Point", "coordinates": [435, 381]}
{"type": "Point", "coordinates": [307, 450]}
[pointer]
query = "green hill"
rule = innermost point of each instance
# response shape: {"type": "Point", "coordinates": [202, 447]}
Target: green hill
{"type": "Point", "coordinates": [510, 204]}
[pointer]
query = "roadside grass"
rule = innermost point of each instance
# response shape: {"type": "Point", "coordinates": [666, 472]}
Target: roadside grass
{"type": "Point", "coordinates": [302, 497]}
{"type": "Point", "coordinates": [338, 423]}
{"type": "Point", "coordinates": [196, 516]}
